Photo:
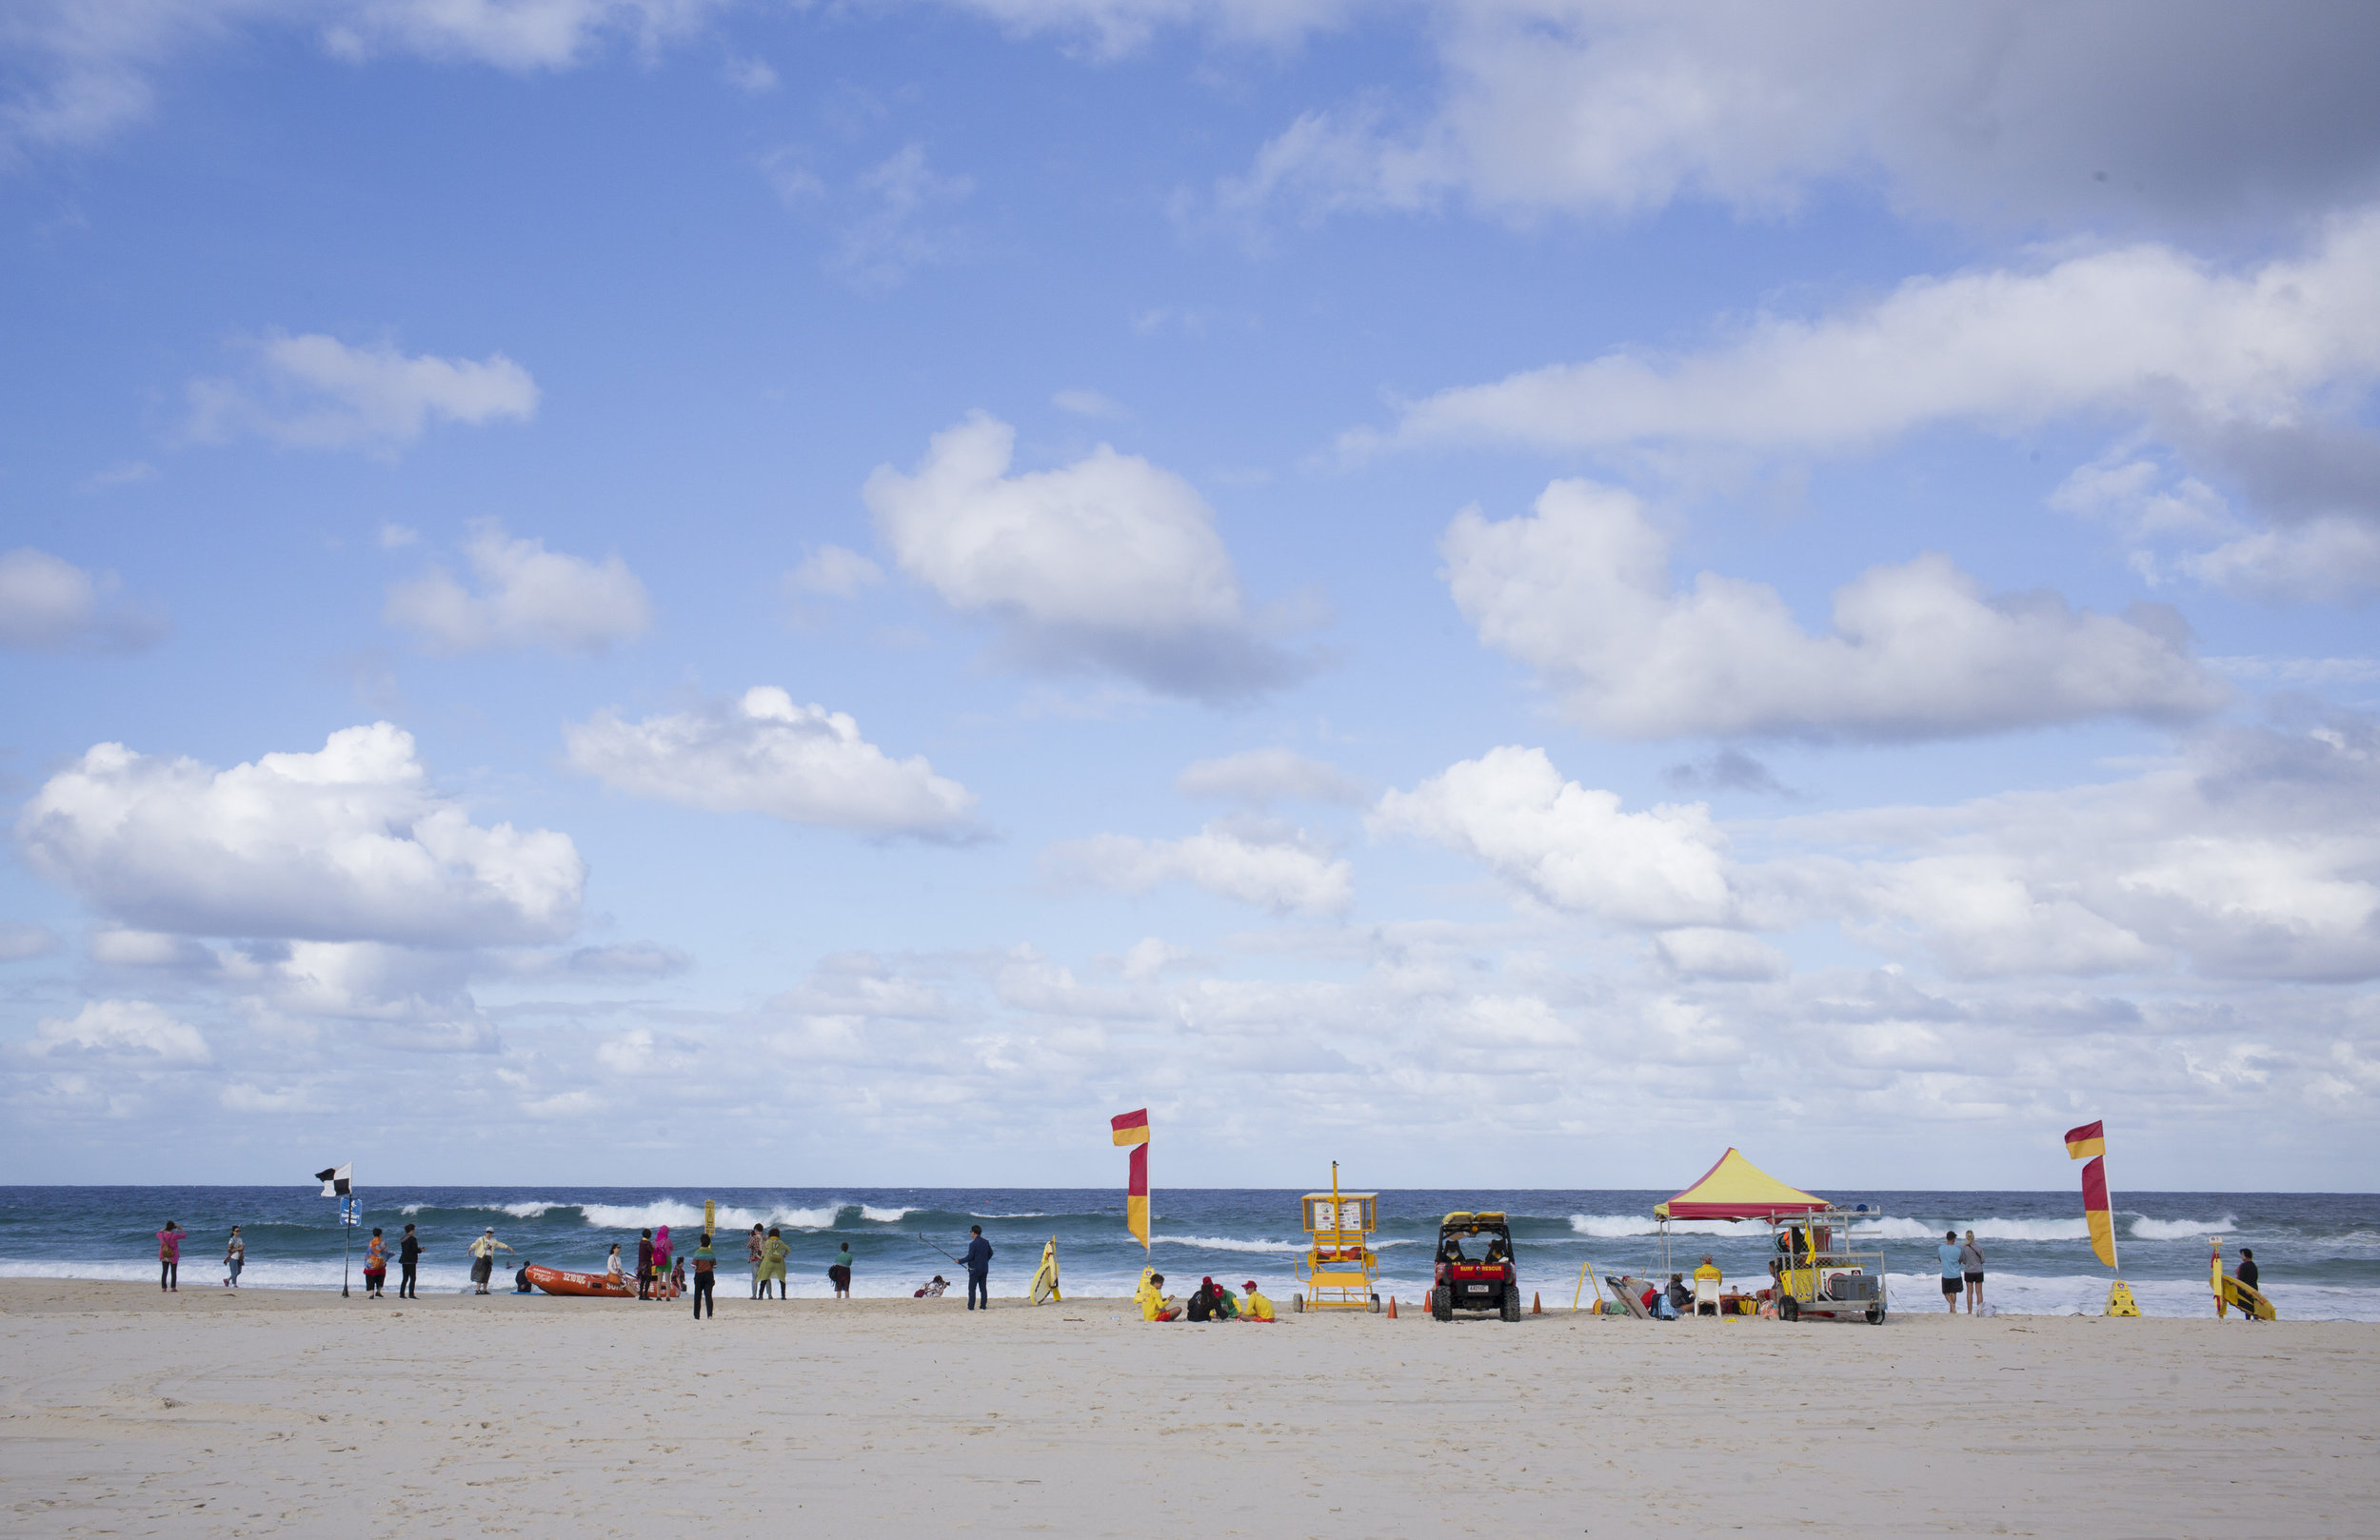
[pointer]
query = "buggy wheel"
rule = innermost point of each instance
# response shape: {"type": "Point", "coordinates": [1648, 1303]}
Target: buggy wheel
{"type": "Point", "coordinates": [1510, 1310]}
{"type": "Point", "coordinates": [1789, 1309]}
{"type": "Point", "coordinates": [1443, 1304]}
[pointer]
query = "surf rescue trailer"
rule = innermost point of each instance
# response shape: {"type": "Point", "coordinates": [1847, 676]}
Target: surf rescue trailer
{"type": "Point", "coordinates": [1340, 1261]}
{"type": "Point", "coordinates": [1816, 1273]}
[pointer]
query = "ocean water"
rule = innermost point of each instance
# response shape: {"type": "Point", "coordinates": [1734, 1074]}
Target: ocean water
{"type": "Point", "coordinates": [2320, 1252]}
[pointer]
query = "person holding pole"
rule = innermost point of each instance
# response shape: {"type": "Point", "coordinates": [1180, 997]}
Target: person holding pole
{"type": "Point", "coordinates": [484, 1257]}
{"type": "Point", "coordinates": [978, 1260]}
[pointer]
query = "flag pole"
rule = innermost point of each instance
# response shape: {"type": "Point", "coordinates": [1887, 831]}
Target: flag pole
{"type": "Point", "coordinates": [346, 1242]}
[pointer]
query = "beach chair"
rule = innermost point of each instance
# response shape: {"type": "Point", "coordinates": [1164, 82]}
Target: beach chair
{"type": "Point", "coordinates": [1706, 1296]}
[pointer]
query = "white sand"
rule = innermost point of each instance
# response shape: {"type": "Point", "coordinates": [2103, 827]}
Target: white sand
{"type": "Point", "coordinates": [204, 1413]}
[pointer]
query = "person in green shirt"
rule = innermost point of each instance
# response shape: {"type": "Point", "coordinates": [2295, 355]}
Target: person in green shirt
{"type": "Point", "coordinates": [773, 1254]}
{"type": "Point", "coordinates": [706, 1276]}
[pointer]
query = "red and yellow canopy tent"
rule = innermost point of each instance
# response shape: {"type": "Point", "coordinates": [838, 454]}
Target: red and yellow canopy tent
{"type": "Point", "coordinates": [1734, 1189]}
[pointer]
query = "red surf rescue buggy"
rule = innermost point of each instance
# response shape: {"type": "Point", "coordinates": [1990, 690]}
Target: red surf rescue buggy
{"type": "Point", "coordinates": [1475, 1267]}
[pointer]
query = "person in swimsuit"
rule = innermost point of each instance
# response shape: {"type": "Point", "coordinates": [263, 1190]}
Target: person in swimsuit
{"type": "Point", "coordinates": [234, 1259]}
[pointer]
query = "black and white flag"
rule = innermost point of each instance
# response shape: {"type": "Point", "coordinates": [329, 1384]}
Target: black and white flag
{"type": "Point", "coordinates": [337, 1181]}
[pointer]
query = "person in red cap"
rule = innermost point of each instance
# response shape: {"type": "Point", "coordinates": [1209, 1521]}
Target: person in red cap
{"type": "Point", "coordinates": [1254, 1306]}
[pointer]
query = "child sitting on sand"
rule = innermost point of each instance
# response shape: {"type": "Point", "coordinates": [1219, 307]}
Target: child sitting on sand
{"type": "Point", "coordinates": [934, 1290]}
{"type": "Point", "coordinates": [677, 1277]}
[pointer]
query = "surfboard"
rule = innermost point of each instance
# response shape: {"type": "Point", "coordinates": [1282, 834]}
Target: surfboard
{"type": "Point", "coordinates": [2245, 1300]}
{"type": "Point", "coordinates": [1045, 1276]}
{"type": "Point", "coordinates": [1625, 1289]}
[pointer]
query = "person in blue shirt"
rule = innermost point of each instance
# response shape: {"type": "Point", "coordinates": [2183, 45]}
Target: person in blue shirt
{"type": "Point", "coordinates": [978, 1260]}
{"type": "Point", "coordinates": [1952, 1268]}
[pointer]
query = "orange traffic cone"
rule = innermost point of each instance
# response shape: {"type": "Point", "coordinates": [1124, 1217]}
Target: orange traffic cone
{"type": "Point", "coordinates": [1392, 1307]}
{"type": "Point", "coordinates": [1534, 1307]}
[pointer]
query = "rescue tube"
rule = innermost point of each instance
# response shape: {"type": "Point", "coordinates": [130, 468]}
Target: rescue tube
{"type": "Point", "coordinates": [590, 1285]}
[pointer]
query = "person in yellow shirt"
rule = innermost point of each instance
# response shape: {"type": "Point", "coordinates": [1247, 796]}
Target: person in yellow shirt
{"type": "Point", "coordinates": [1709, 1270]}
{"type": "Point", "coordinates": [1150, 1296]}
{"type": "Point", "coordinates": [1254, 1306]}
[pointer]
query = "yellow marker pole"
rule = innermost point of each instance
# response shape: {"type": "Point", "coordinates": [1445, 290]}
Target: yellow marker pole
{"type": "Point", "coordinates": [711, 1215]}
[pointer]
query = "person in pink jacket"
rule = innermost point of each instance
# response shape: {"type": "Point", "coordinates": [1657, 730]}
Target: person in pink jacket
{"type": "Point", "coordinates": [169, 1257]}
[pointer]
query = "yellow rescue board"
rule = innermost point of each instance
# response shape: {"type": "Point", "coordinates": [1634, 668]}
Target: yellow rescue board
{"type": "Point", "coordinates": [1045, 1276]}
{"type": "Point", "coordinates": [2245, 1300]}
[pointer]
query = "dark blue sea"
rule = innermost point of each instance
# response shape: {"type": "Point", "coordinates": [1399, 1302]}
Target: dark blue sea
{"type": "Point", "coordinates": [2319, 1253]}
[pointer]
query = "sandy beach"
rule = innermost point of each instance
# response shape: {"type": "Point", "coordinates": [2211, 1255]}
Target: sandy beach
{"type": "Point", "coordinates": [208, 1413]}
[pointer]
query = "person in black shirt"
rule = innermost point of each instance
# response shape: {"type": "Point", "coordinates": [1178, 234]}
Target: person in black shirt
{"type": "Point", "coordinates": [2248, 1277]}
{"type": "Point", "coordinates": [408, 1259]}
{"type": "Point", "coordinates": [978, 1260]}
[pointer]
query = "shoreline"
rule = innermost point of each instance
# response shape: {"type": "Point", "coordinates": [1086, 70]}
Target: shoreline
{"type": "Point", "coordinates": [287, 1410]}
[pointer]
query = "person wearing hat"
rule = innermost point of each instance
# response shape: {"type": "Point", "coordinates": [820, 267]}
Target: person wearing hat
{"type": "Point", "coordinates": [484, 1257]}
{"type": "Point", "coordinates": [1254, 1306]}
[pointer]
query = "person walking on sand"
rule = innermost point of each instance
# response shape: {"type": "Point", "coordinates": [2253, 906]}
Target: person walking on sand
{"type": "Point", "coordinates": [1953, 1270]}
{"type": "Point", "coordinates": [375, 1265]}
{"type": "Point", "coordinates": [978, 1260]}
{"type": "Point", "coordinates": [170, 1257]}
{"type": "Point", "coordinates": [484, 1257]}
{"type": "Point", "coordinates": [754, 1246]}
{"type": "Point", "coordinates": [408, 1264]}
{"type": "Point", "coordinates": [234, 1259]}
{"type": "Point", "coordinates": [839, 1272]}
{"type": "Point", "coordinates": [773, 1254]}
{"type": "Point", "coordinates": [705, 1278]}
{"type": "Point", "coordinates": [645, 1266]}
{"type": "Point", "coordinates": [1971, 1263]}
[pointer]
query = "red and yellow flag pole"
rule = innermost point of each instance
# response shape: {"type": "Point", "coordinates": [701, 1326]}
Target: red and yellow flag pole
{"type": "Point", "coordinates": [1133, 1129]}
{"type": "Point", "coordinates": [2098, 1212]}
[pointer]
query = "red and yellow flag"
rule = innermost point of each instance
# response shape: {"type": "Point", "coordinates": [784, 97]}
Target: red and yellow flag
{"type": "Point", "coordinates": [2095, 1208]}
{"type": "Point", "coordinates": [1133, 1129]}
{"type": "Point", "coordinates": [2089, 1140]}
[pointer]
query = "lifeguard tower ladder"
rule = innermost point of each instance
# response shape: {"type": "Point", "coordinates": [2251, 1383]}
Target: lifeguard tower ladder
{"type": "Point", "coordinates": [1340, 1261]}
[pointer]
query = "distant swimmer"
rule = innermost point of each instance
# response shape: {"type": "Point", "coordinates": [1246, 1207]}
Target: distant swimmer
{"type": "Point", "coordinates": [933, 1290]}
{"type": "Point", "coordinates": [1255, 1307]}
{"type": "Point", "coordinates": [235, 1257]}
{"type": "Point", "coordinates": [1971, 1264]}
{"type": "Point", "coordinates": [839, 1272]}
{"type": "Point", "coordinates": [170, 1257]}
{"type": "Point", "coordinates": [978, 1260]}
{"type": "Point", "coordinates": [409, 1263]}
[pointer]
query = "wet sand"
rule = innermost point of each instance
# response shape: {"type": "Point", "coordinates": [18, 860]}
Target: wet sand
{"type": "Point", "coordinates": [124, 1412]}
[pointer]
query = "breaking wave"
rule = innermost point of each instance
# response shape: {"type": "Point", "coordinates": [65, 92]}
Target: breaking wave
{"type": "Point", "coordinates": [1221, 1243]}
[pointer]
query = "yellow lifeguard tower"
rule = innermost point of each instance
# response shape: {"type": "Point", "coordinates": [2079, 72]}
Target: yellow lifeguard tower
{"type": "Point", "coordinates": [1340, 1261]}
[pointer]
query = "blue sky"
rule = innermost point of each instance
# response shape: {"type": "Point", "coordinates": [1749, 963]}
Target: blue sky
{"type": "Point", "coordinates": [1514, 592]}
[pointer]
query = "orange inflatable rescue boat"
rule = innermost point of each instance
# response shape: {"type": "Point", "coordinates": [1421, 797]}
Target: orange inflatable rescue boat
{"type": "Point", "coordinates": [595, 1285]}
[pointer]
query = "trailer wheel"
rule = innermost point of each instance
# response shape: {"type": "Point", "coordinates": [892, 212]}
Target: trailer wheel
{"type": "Point", "coordinates": [1875, 1314]}
{"type": "Point", "coordinates": [1789, 1309]}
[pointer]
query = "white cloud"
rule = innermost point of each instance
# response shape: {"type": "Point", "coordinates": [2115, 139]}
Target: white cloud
{"type": "Point", "coordinates": [391, 996]}
{"type": "Point", "coordinates": [397, 537]}
{"type": "Point", "coordinates": [2140, 112]}
{"type": "Point", "coordinates": [898, 227]}
{"type": "Point", "coordinates": [752, 76]}
{"type": "Point", "coordinates": [2142, 330]}
{"type": "Point", "coordinates": [1265, 776]}
{"type": "Point", "coordinates": [121, 1029]}
{"type": "Point", "coordinates": [119, 948]}
{"type": "Point", "coordinates": [1580, 590]}
{"type": "Point", "coordinates": [2335, 558]}
{"type": "Point", "coordinates": [1089, 404]}
{"type": "Point", "coordinates": [762, 754]}
{"type": "Point", "coordinates": [510, 34]}
{"type": "Point", "coordinates": [132, 473]}
{"type": "Point", "coordinates": [1114, 28]}
{"type": "Point", "coordinates": [1702, 952]}
{"type": "Point", "coordinates": [315, 392]}
{"type": "Point", "coordinates": [1109, 562]}
{"type": "Point", "coordinates": [349, 843]}
{"type": "Point", "coordinates": [1248, 862]}
{"type": "Point", "coordinates": [1569, 845]}
{"type": "Point", "coordinates": [529, 597]}
{"type": "Point", "coordinates": [834, 572]}
{"type": "Point", "coordinates": [50, 605]}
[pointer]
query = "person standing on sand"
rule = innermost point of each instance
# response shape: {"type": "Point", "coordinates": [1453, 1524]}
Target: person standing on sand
{"type": "Point", "coordinates": [773, 1254]}
{"type": "Point", "coordinates": [484, 1257]}
{"type": "Point", "coordinates": [645, 1266]}
{"type": "Point", "coordinates": [978, 1260]}
{"type": "Point", "coordinates": [839, 1272]}
{"type": "Point", "coordinates": [753, 1247]}
{"type": "Point", "coordinates": [1971, 1263]}
{"type": "Point", "coordinates": [375, 1265]}
{"type": "Point", "coordinates": [234, 1259]}
{"type": "Point", "coordinates": [170, 1257]}
{"type": "Point", "coordinates": [705, 1278]}
{"type": "Point", "coordinates": [1951, 1270]}
{"type": "Point", "coordinates": [661, 1260]}
{"type": "Point", "coordinates": [2246, 1275]}
{"type": "Point", "coordinates": [408, 1264]}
